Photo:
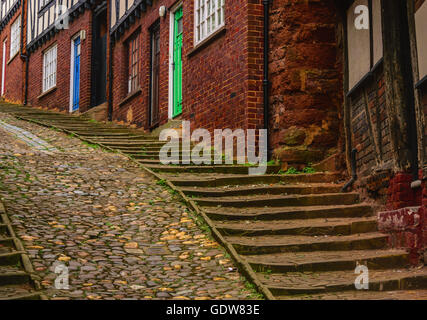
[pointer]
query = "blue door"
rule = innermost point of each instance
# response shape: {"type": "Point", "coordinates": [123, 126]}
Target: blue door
{"type": "Point", "coordinates": [76, 76]}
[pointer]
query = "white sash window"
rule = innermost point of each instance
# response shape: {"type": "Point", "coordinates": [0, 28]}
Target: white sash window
{"type": "Point", "coordinates": [209, 17]}
{"type": "Point", "coordinates": [15, 35]}
{"type": "Point", "coordinates": [49, 68]}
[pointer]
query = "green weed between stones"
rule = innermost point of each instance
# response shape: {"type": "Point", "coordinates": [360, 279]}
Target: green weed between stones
{"type": "Point", "coordinates": [307, 170]}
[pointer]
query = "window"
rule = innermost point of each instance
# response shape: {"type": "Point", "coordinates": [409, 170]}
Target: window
{"type": "Point", "coordinates": [421, 33]}
{"type": "Point", "coordinates": [209, 17]}
{"type": "Point", "coordinates": [133, 69]}
{"type": "Point", "coordinates": [49, 68]}
{"type": "Point", "coordinates": [15, 35]}
{"type": "Point", "coordinates": [364, 38]}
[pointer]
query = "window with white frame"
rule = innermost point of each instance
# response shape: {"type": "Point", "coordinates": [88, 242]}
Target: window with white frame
{"type": "Point", "coordinates": [15, 34]}
{"type": "Point", "coordinates": [49, 68]}
{"type": "Point", "coordinates": [209, 17]}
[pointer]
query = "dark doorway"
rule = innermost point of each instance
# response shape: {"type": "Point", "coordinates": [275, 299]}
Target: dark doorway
{"type": "Point", "coordinates": [154, 75]}
{"type": "Point", "coordinates": [99, 56]}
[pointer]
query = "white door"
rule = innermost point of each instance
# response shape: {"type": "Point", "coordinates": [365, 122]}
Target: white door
{"type": "Point", "coordinates": [3, 68]}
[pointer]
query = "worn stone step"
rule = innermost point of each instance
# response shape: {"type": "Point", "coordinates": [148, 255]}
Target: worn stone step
{"type": "Point", "coordinates": [232, 169]}
{"type": "Point", "coordinates": [328, 260]}
{"type": "Point", "coordinates": [133, 144]}
{"type": "Point", "coordinates": [308, 227]}
{"type": "Point", "coordinates": [18, 292]}
{"type": "Point", "coordinates": [13, 275]}
{"type": "Point", "coordinates": [361, 295]}
{"type": "Point", "coordinates": [295, 243]}
{"type": "Point", "coordinates": [193, 181]}
{"type": "Point", "coordinates": [102, 134]}
{"type": "Point", "coordinates": [3, 228]}
{"type": "Point", "coordinates": [120, 138]}
{"type": "Point", "coordinates": [6, 241]}
{"type": "Point", "coordinates": [10, 258]}
{"type": "Point", "coordinates": [292, 283]}
{"type": "Point", "coordinates": [263, 189]}
{"type": "Point", "coordinates": [280, 201]}
{"type": "Point", "coordinates": [289, 213]}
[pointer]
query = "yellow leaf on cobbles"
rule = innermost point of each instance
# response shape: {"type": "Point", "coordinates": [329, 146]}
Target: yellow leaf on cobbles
{"type": "Point", "coordinates": [218, 279]}
{"type": "Point", "coordinates": [131, 245]}
{"type": "Point", "coordinates": [185, 220]}
{"type": "Point", "coordinates": [180, 298]}
{"type": "Point", "coordinates": [64, 258]}
{"type": "Point", "coordinates": [94, 297]}
{"type": "Point", "coordinates": [183, 256]}
{"type": "Point", "coordinates": [52, 222]}
{"type": "Point", "coordinates": [202, 298]}
{"type": "Point", "coordinates": [177, 266]}
{"type": "Point", "coordinates": [205, 258]}
{"type": "Point", "coordinates": [35, 247]}
{"type": "Point", "coordinates": [189, 242]}
{"type": "Point", "coordinates": [148, 297]}
{"type": "Point", "coordinates": [228, 296]}
{"type": "Point", "coordinates": [167, 268]}
{"type": "Point", "coordinates": [199, 236]}
{"type": "Point", "coordinates": [87, 284]}
{"type": "Point", "coordinates": [120, 282]}
{"type": "Point", "coordinates": [224, 261]}
{"type": "Point", "coordinates": [167, 238]}
{"type": "Point", "coordinates": [166, 289]}
{"type": "Point", "coordinates": [59, 226]}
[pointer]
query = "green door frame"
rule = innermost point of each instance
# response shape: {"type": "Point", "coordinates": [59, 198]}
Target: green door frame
{"type": "Point", "coordinates": [177, 63]}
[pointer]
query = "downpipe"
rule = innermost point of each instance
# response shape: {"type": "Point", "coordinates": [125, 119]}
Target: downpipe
{"type": "Point", "coordinates": [353, 171]}
{"type": "Point", "coordinates": [266, 81]}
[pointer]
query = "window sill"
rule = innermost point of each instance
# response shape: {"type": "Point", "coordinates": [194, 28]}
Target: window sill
{"type": "Point", "coordinates": [420, 84]}
{"type": "Point", "coordinates": [47, 92]}
{"type": "Point", "coordinates": [214, 36]}
{"type": "Point", "coordinates": [366, 77]}
{"type": "Point", "coordinates": [13, 57]}
{"type": "Point", "coordinates": [130, 96]}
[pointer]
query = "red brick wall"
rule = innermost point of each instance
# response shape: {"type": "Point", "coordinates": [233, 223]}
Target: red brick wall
{"type": "Point", "coordinates": [14, 68]}
{"type": "Point", "coordinates": [222, 82]}
{"type": "Point", "coordinates": [60, 97]}
{"type": "Point", "coordinates": [306, 80]}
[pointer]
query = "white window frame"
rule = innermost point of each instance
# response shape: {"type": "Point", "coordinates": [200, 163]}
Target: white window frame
{"type": "Point", "coordinates": [15, 37]}
{"type": "Point", "coordinates": [49, 68]}
{"type": "Point", "coordinates": [209, 17]}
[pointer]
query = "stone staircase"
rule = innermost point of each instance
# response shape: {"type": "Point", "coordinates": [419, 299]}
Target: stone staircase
{"type": "Point", "coordinates": [293, 236]}
{"type": "Point", "coordinates": [16, 279]}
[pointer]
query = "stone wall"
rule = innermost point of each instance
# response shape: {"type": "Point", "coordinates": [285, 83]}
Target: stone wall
{"type": "Point", "coordinates": [306, 76]}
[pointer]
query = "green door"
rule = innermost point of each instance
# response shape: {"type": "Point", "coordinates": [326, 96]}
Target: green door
{"type": "Point", "coordinates": [177, 64]}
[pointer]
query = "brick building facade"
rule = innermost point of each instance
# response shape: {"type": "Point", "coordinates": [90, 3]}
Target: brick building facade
{"type": "Point", "coordinates": [12, 39]}
{"type": "Point", "coordinates": [221, 75]}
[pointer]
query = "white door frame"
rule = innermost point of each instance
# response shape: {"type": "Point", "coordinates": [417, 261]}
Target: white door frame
{"type": "Point", "coordinates": [72, 69]}
{"type": "Point", "coordinates": [3, 68]}
{"type": "Point", "coordinates": [171, 51]}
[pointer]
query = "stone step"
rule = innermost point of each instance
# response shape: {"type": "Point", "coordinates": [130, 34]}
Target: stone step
{"type": "Point", "coordinates": [293, 283]}
{"type": "Point", "coordinates": [232, 169]}
{"type": "Point", "coordinates": [120, 138]}
{"type": "Point", "coordinates": [290, 213]}
{"type": "Point", "coordinates": [3, 228]}
{"type": "Point", "coordinates": [13, 275]}
{"type": "Point", "coordinates": [10, 258]}
{"type": "Point", "coordinates": [132, 143]}
{"type": "Point", "coordinates": [280, 201]}
{"type": "Point", "coordinates": [307, 227]}
{"type": "Point", "coordinates": [192, 181]}
{"type": "Point", "coordinates": [291, 243]}
{"type": "Point", "coordinates": [328, 260]}
{"type": "Point", "coordinates": [6, 241]}
{"type": "Point", "coordinates": [361, 295]}
{"type": "Point", "coordinates": [103, 134]}
{"type": "Point", "coordinates": [263, 189]}
{"type": "Point", "coordinates": [18, 292]}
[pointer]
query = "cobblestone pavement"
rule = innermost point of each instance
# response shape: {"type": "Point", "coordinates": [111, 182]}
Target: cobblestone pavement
{"type": "Point", "coordinates": [121, 235]}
